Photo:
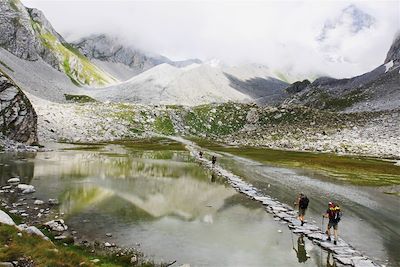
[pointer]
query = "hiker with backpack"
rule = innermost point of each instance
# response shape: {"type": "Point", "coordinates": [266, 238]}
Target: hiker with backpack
{"type": "Point", "coordinates": [334, 214]}
{"type": "Point", "coordinates": [302, 202]}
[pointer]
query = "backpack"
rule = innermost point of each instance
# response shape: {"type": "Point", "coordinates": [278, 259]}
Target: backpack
{"type": "Point", "coordinates": [338, 214]}
{"type": "Point", "coordinates": [335, 214]}
{"type": "Point", "coordinates": [303, 203]}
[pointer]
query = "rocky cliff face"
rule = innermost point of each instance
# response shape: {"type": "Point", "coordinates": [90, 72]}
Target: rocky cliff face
{"type": "Point", "coordinates": [29, 35]}
{"type": "Point", "coordinates": [18, 119]}
{"type": "Point", "coordinates": [106, 48]}
{"type": "Point", "coordinates": [394, 51]}
{"type": "Point", "coordinates": [16, 32]}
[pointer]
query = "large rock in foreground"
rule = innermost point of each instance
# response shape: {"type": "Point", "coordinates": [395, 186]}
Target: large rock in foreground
{"type": "Point", "coordinates": [18, 119]}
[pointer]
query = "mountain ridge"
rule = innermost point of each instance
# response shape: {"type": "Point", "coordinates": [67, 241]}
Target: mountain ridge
{"type": "Point", "coordinates": [26, 33]}
{"type": "Point", "coordinates": [111, 49]}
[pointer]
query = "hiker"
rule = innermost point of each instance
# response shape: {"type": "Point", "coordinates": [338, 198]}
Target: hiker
{"type": "Point", "coordinates": [334, 214]}
{"type": "Point", "coordinates": [301, 250]}
{"type": "Point", "coordinates": [302, 202]}
{"type": "Point", "coordinates": [201, 154]}
{"type": "Point", "coordinates": [213, 160]}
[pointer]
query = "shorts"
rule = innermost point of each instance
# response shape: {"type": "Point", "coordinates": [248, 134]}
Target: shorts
{"type": "Point", "coordinates": [333, 224]}
{"type": "Point", "coordinates": [302, 212]}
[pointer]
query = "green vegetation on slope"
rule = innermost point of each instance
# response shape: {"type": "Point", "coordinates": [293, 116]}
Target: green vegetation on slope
{"type": "Point", "coordinates": [79, 98]}
{"type": "Point", "coordinates": [163, 125]}
{"type": "Point", "coordinates": [75, 65]}
{"type": "Point", "coordinates": [217, 119]}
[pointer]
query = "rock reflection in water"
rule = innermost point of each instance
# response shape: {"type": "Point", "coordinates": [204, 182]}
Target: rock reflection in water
{"type": "Point", "coordinates": [170, 205]}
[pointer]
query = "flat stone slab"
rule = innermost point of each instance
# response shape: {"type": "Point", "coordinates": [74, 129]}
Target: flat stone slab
{"type": "Point", "coordinates": [316, 236]}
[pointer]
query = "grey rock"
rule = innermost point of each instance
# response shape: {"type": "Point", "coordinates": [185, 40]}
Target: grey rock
{"type": "Point", "coordinates": [38, 202]}
{"type": "Point", "coordinates": [56, 225]}
{"type": "Point", "coordinates": [14, 181]}
{"type": "Point", "coordinates": [19, 121]}
{"type": "Point", "coordinates": [26, 188]}
{"type": "Point", "coordinates": [394, 51]}
{"type": "Point", "coordinates": [5, 218]}
{"type": "Point", "coordinates": [16, 32]}
{"type": "Point", "coordinates": [31, 230]}
{"type": "Point", "coordinates": [6, 264]}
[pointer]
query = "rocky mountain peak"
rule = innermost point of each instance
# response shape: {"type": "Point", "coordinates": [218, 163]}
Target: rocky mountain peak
{"type": "Point", "coordinates": [37, 16]}
{"type": "Point", "coordinates": [394, 51]}
{"type": "Point", "coordinates": [16, 32]}
{"type": "Point", "coordinates": [110, 49]}
{"type": "Point", "coordinates": [26, 33]}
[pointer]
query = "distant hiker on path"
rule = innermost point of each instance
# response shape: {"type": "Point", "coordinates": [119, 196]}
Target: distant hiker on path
{"type": "Point", "coordinates": [302, 202]}
{"type": "Point", "coordinates": [334, 214]}
{"type": "Point", "coordinates": [213, 160]}
{"type": "Point", "coordinates": [201, 154]}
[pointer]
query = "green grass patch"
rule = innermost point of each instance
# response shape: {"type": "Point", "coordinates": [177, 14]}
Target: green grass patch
{"type": "Point", "coordinates": [354, 170]}
{"type": "Point", "coordinates": [79, 98]}
{"type": "Point", "coordinates": [326, 101]}
{"type": "Point", "coordinates": [163, 125]}
{"type": "Point", "coordinates": [13, 4]}
{"type": "Point", "coordinates": [217, 120]}
{"type": "Point", "coordinates": [44, 253]}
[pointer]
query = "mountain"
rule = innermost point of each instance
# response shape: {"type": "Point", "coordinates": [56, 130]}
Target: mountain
{"type": "Point", "coordinates": [121, 60]}
{"type": "Point", "coordinates": [19, 119]}
{"type": "Point", "coordinates": [26, 33]}
{"type": "Point", "coordinates": [378, 89]}
{"type": "Point", "coordinates": [196, 84]}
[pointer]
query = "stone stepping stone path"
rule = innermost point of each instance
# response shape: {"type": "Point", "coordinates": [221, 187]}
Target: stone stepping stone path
{"type": "Point", "coordinates": [343, 252]}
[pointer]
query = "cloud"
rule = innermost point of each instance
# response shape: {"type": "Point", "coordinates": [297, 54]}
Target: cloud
{"type": "Point", "coordinates": [281, 34]}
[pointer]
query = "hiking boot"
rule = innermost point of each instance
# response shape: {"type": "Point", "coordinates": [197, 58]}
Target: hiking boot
{"type": "Point", "coordinates": [302, 223]}
{"type": "Point", "coordinates": [334, 242]}
{"type": "Point", "coordinates": [329, 238]}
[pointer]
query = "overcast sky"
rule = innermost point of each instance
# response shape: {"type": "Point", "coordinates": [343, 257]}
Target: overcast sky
{"type": "Point", "coordinates": [338, 38]}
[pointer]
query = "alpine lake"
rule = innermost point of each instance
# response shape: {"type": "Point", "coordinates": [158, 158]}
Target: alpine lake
{"type": "Point", "coordinates": [152, 195]}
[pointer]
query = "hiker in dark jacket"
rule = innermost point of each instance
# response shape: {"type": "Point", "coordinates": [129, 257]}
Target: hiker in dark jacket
{"type": "Point", "coordinates": [213, 160]}
{"type": "Point", "coordinates": [334, 214]}
{"type": "Point", "coordinates": [302, 203]}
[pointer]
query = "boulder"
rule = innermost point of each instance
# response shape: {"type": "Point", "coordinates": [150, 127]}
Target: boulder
{"type": "Point", "coordinates": [26, 188]}
{"type": "Point", "coordinates": [38, 202]}
{"type": "Point", "coordinates": [56, 225]}
{"type": "Point", "coordinates": [14, 181]}
{"type": "Point", "coordinates": [31, 230]}
{"type": "Point", "coordinates": [19, 119]}
{"type": "Point", "coordinates": [5, 218]}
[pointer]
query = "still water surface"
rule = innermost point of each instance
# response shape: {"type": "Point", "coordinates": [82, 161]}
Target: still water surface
{"type": "Point", "coordinates": [157, 199]}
